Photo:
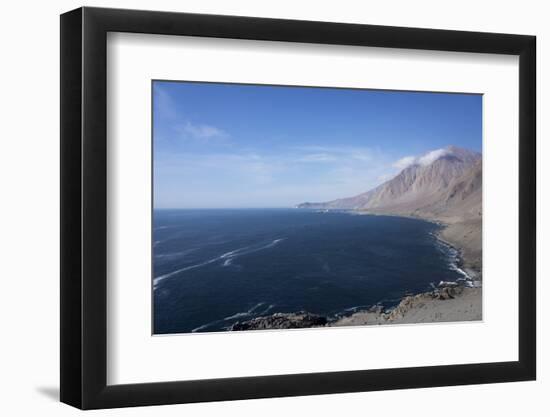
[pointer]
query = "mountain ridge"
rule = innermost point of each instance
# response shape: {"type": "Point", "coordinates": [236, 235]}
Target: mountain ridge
{"type": "Point", "coordinates": [410, 184]}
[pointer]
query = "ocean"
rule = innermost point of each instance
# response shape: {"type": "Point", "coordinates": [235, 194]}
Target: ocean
{"type": "Point", "coordinates": [214, 267]}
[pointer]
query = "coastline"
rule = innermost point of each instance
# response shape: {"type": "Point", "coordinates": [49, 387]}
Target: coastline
{"type": "Point", "coordinates": [448, 304]}
{"type": "Point", "coordinates": [449, 301]}
{"type": "Point", "coordinates": [456, 301]}
{"type": "Point", "coordinates": [463, 235]}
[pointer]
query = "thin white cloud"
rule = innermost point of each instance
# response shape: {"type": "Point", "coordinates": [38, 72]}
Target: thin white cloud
{"type": "Point", "coordinates": [256, 179]}
{"type": "Point", "coordinates": [167, 110]}
{"type": "Point", "coordinates": [343, 154]}
{"type": "Point", "coordinates": [404, 162]}
{"type": "Point", "coordinates": [165, 106]}
{"type": "Point", "coordinates": [432, 156]}
{"type": "Point", "coordinates": [423, 160]}
{"type": "Point", "coordinates": [317, 157]}
{"type": "Point", "coordinates": [385, 177]}
{"type": "Point", "coordinates": [189, 130]}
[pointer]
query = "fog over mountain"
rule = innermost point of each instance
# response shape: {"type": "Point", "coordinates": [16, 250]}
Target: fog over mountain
{"type": "Point", "coordinates": [443, 185]}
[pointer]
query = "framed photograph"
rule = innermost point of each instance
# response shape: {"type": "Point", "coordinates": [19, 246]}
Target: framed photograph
{"type": "Point", "coordinates": [257, 208]}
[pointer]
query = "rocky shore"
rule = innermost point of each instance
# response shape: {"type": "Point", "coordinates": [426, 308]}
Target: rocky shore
{"type": "Point", "coordinates": [465, 236]}
{"type": "Point", "coordinates": [299, 320]}
{"type": "Point", "coordinates": [447, 303]}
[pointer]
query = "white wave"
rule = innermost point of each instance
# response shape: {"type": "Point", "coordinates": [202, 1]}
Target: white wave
{"type": "Point", "coordinates": [453, 256]}
{"type": "Point", "coordinates": [355, 308]}
{"type": "Point", "coordinates": [447, 284]}
{"type": "Point", "coordinates": [269, 307]}
{"type": "Point", "coordinates": [455, 267]}
{"type": "Point", "coordinates": [227, 257]}
{"type": "Point", "coordinates": [234, 316]}
{"type": "Point", "coordinates": [175, 254]}
{"type": "Point", "coordinates": [177, 271]}
{"type": "Point", "coordinates": [205, 326]}
{"type": "Point", "coordinates": [233, 252]}
{"type": "Point", "coordinates": [245, 313]}
{"type": "Point", "coordinates": [256, 307]}
{"type": "Point", "coordinates": [249, 249]}
{"type": "Point", "coordinates": [252, 311]}
{"type": "Point", "coordinates": [237, 315]}
{"type": "Point", "coordinates": [196, 329]}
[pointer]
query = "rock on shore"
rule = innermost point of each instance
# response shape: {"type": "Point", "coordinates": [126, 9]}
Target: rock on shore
{"type": "Point", "coordinates": [447, 303]}
{"type": "Point", "coordinates": [298, 320]}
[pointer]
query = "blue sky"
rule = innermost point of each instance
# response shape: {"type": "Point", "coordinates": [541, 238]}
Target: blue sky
{"type": "Point", "coordinates": [231, 145]}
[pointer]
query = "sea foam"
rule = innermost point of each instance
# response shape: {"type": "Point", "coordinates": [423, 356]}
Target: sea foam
{"type": "Point", "coordinates": [226, 257]}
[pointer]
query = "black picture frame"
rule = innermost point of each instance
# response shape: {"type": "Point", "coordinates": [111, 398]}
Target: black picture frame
{"type": "Point", "coordinates": [84, 207]}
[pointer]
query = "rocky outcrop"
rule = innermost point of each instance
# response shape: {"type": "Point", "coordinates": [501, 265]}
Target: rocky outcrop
{"type": "Point", "coordinates": [444, 304]}
{"type": "Point", "coordinates": [450, 301]}
{"type": "Point", "coordinates": [298, 320]}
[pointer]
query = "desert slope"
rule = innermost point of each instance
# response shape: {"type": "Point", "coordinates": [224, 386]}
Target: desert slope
{"type": "Point", "coordinates": [426, 183]}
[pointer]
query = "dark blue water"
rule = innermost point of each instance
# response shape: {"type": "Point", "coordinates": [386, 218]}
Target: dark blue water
{"type": "Point", "coordinates": [213, 268]}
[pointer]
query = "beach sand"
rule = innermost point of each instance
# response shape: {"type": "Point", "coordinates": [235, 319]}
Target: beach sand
{"type": "Point", "coordinates": [466, 237]}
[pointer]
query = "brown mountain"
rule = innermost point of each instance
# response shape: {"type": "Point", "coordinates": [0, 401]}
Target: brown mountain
{"type": "Point", "coordinates": [424, 186]}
